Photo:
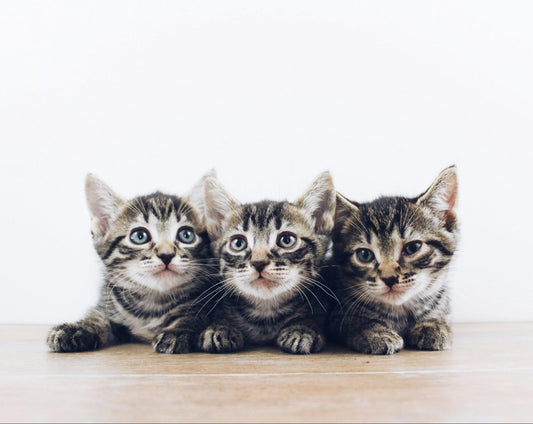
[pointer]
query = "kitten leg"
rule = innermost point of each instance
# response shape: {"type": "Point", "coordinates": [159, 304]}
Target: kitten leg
{"type": "Point", "coordinates": [374, 338]}
{"type": "Point", "coordinates": [301, 338]}
{"type": "Point", "coordinates": [178, 337]}
{"type": "Point", "coordinates": [430, 335]}
{"type": "Point", "coordinates": [174, 342]}
{"type": "Point", "coordinates": [221, 338]}
{"type": "Point", "coordinates": [90, 333]}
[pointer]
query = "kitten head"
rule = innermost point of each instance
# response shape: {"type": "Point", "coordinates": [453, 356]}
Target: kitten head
{"type": "Point", "coordinates": [268, 249]}
{"type": "Point", "coordinates": [394, 249]}
{"type": "Point", "coordinates": [153, 241]}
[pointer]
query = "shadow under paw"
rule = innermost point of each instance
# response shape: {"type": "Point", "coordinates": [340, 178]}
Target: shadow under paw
{"type": "Point", "coordinates": [300, 340]}
{"type": "Point", "coordinates": [173, 342]}
{"type": "Point", "coordinates": [377, 342]}
{"type": "Point", "coordinates": [220, 339]}
{"type": "Point", "coordinates": [430, 336]}
{"type": "Point", "coordinates": [72, 338]}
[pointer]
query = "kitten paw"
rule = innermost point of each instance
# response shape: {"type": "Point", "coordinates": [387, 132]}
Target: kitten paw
{"type": "Point", "coordinates": [172, 342]}
{"type": "Point", "coordinates": [430, 335]}
{"type": "Point", "coordinates": [220, 339]}
{"type": "Point", "coordinates": [72, 338]}
{"type": "Point", "coordinates": [382, 341]}
{"type": "Point", "coordinates": [300, 339]}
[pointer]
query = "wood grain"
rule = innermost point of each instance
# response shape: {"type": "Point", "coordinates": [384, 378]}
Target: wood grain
{"type": "Point", "coordinates": [487, 376]}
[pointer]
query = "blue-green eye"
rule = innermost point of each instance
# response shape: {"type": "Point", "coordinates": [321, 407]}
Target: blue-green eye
{"type": "Point", "coordinates": [140, 236]}
{"type": "Point", "coordinates": [186, 235]}
{"type": "Point", "coordinates": [411, 248]}
{"type": "Point", "coordinates": [238, 243]}
{"type": "Point", "coordinates": [286, 240]}
{"type": "Point", "coordinates": [364, 255]}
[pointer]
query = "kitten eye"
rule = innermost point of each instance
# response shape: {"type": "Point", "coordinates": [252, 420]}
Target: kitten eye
{"type": "Point", "coordinates": [411, 248]}
{"type": "Point", "coordinates": [238, 243]}
{"type": "Point", "coordinates": [186, 235]}
{"type": "Point", "coordinates": [286, 240]}
{"type": "Point", "coordinates": [365, 255]}
{"type": "Point", "coordinates": [140, 236]}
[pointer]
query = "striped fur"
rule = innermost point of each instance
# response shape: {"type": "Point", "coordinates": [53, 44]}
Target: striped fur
{"type": "Point", "coordinates": [269, 293]}
{"type": "Point", "coordinates": [401, 295]}
{"type": "Point", "coordinates": [143, 298]}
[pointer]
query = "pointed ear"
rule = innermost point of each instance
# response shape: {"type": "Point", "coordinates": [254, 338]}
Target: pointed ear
{"type": "Point", "coordinates": [196, 196]}
{"type": "Point", "coordinates": [344, 210]}
{"type": "Point", "coordinates": [103, 203]}
{"type": "Point", "coordinates": [218, 205]}
{"type": "Point", "coordinates": [318, 202]}
{"type": "Point", "coordinates": [441, 197]}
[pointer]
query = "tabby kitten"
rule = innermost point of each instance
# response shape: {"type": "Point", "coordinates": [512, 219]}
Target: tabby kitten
{"type": "Point", "coordinates": [394, 254]}
{"type": "Point", "coordinates": [154, 249]}
{"type": "Point", "coordinates": [270, 257]}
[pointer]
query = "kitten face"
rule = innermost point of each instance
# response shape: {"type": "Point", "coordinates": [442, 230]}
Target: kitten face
{"type": "Point", "coordinates": [270, 250]}
{"type": "Point", "coordinates": [267, 250]}
{"type": "Point", "coordinates": [395, 249]}
{"type": "Point", "coordinates": [151, 241]}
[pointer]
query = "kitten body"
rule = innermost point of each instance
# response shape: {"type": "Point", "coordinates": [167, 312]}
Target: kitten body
{"type": "Point", "coordinates": [155, 253]}
{"type": "Point", "coordinates": [270, 256]}
{"type": "Point", "coordinates": [394, 255]}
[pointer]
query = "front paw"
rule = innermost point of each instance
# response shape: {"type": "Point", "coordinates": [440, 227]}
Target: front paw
{"type": "Point", "coordinates": [377, 341]}
{"type": "Point", "coordinates": [430, 335]}
{"type": "Point", "coordinates": [300, 339]}
{"type": "Point", "coordinates": [172, 342]}
{"type": "Point", "coordinates": [72, 338]}
{"type": "Point", "coordinates": [221, 339]}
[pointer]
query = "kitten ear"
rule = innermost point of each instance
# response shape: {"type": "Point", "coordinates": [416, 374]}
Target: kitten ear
{"type": "Point", "coordinates": [343, 210]}
{"type": "Point", "coordinates": [441, 197]}
{"type": "Point", "coordinates": [318, 202]}
{"type": "Point", "coordinates": [197, 198]}
{"type": "Point", "coordinates": [103, 204]}
{"type": "Point", "coordinates": [218, 205]}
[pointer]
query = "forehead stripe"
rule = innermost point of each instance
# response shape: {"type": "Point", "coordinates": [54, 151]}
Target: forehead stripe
{"type": "Point", "coordinates": [438, 245]}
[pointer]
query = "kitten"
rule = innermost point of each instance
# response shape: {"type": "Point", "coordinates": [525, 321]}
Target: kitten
{"type": "Point", "coordinates": [270, 257]}
{"type": "Point", "coordinates": [394, 254]}
{"type": "Point", "coordinates": [155, 253]}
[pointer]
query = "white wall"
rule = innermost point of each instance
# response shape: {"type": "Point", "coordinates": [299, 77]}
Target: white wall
{"type": "Point", "coordinates": [149, 95]}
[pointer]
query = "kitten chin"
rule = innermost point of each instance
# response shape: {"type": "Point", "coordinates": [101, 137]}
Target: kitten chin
{"type": "Point", "coordinates": [263, 286]}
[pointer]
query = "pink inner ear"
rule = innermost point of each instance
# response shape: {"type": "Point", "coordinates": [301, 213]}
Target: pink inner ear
{"type": "Point", "coordinates": [450, 197]}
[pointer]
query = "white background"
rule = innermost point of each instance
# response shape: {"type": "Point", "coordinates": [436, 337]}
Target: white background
{"type": "Point", "coordinates": [150, 95]}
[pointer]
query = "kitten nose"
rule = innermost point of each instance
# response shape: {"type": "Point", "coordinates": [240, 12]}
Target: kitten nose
{"type": "Point", "coordinates": [260, 265]}
{"type": "Point", "coordinates": [166, 258]}
{"type": "Point", "coordinates": [390, 281]}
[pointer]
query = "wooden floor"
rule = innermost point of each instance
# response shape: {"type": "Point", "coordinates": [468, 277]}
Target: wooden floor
{"type": "Point", "coordinates": [487, 376]}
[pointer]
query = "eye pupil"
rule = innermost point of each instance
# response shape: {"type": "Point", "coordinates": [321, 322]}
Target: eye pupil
{"type": "Point", "coordinates": [286, 240]}
{"type": "Point", "coordinates": [412, 247]}
{"type": "Point", "coordinates": [140, 236]}
{"type": "Point", "coordinates": [365, 255]}
{"type": "Point", "coordinates": [238, 244]}
{"type": "Point", "coordinates": [186, 235]}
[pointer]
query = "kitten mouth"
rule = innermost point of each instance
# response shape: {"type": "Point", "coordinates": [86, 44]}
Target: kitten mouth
{"type": "Point", "coordinates": [395, 291]}
{"type": "Point", "coordinates": [166, 272]}
{"type": "Point", "coordinates": [262, 282]}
